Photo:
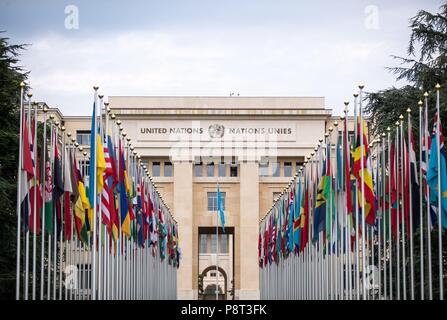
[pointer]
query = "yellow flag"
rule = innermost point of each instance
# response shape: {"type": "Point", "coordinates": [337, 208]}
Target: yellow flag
{"type": "Point", "coordinates": [100, 165]}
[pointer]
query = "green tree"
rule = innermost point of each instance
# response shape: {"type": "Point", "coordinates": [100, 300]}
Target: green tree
{"type": "Point", "coordinates": [11, 75]}
{"type": "Point", "coordinates": [424, 67]}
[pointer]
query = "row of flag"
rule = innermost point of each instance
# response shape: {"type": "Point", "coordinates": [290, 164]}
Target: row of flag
{"type": "Point", "coordinates": [359, 214]}
{"type": "Point", "coordinates": [102, 203]}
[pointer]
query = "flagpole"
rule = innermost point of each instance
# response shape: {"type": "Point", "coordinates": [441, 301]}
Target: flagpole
{"type": "Point", "coordinates": [29, 94]}
{"type": "Point", "coordinates": [357, 253]}
{"type": "Point", "coordinates": [430, 283]}
{"type": "Point", "coordinates": [390, 242]}
{"type": "Point", "coordinates": [35, 152]}
{"type": "Point", "coordinates": [42, 246]}
{"type": "Point", "coordinates": [19, 192]}
{"type": "Point", "coordinates": [52, 208]}
{"type": "Point", "coordinates": [398, 211]}
{"type": "Point", "coordinates": [217, 245]}
{"type": "Point", "coordinates": [404, 169]}
{"type": "Point", "coordinates": [62, 215]}
{"type": "Point", "coordinates": [384, 231]}
{"type": "Point", "coordinates": [410, 149]}
{"type": "Point", "coordinates": [421, 191]}
{"type": "Point", "coordinates": [55, 221]}
{"type": "Point", "coordinates": [438, 125]}
{"type": "Point", "coordinates": [94, 164]}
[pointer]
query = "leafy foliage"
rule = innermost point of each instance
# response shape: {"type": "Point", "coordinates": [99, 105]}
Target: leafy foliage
{"type": "Point", "coordinates": [10, 77]}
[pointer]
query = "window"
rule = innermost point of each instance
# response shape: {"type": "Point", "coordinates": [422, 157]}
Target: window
{"type": "Point", "coordinates": [84, 276]}
{"type": "Point", "coordinates": [156, 169]}
{"type": "Point", "coordinates": [85, 168]}
{"type": "Point", "coordinates": [222, 170]}
{"type": "Point", "coordinates": [210, 169]}
{"type": "Point", "coordinates": [223, 245]}
{"type": "Point", "coordinates": [233, 170]}
{"type": "Point", "coordinates": [198, 169]}
{"type": "Point", "coordinates": [276, 195]}
{"type": "Point", "coordinates": [298, 165]}
{"type": "Point", "coordinates": [213, 243]}
{"type": "Point", "coordinates": [168, 169]}
{"type": "Point", "coordinates": [212, 201]}
{"type": "Point", "coordinates": [287, 169]}
{"type": "Point", "coordinates": [212, 274]}
{"type": "Point", "coordinates": [203, 243]}
{"type": "Point", "coordinates": [83, 137]}
{"type": "Point", "coordinates": [263, 169]}
{"type": "Point", "coordinates": [275, 166]}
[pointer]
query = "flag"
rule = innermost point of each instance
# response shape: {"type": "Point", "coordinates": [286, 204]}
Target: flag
{"type": "Point", "coordinates": [220, 208]}
{"type": "Point", "coordinates": [414, 181]}
{"type": "Point", "coordinates": [124, 201]}
{"type": "Point", "coordinates": [58, 189]}
{"type": "Point", "coordinates": [369, 199]}
{"type": "Point", "coordinates": [100, 164]}
{"type": "Point", "coordinates": [35, 190]}
{"type": "Point", "coordinates": [438, 150]}
{"type": "Point", "coordinates": [297, 216]}
{"type": "Point", "coordinates": [68, 190]}
{"type": "Point", "coordinates": [27, 173]}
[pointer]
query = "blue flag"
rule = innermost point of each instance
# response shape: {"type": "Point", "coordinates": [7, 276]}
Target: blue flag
{"type": "Point", "coordinates": [433, 172]}
{"type": "Point", "coordinates": [220, 208]}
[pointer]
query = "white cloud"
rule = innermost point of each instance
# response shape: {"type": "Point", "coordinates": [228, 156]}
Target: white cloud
{"type": "Point", "coordinates": [253, 61]}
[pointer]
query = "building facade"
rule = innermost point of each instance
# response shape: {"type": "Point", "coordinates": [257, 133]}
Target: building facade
{"type": "Point", "coordinates": [250, 147]}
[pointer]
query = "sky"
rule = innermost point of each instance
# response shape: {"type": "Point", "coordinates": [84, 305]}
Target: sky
{"type": "Point", "coordinates": [208, 47]}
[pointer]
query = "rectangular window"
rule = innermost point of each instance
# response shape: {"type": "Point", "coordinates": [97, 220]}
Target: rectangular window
{"type": "Point", "coordinates": [276, 195]}
{"type": "Point", "coordinates": [198, 169]}
{"type": "Point", "coordinates": [298, 165]}
{"type": "Point", "coordinates": [233, 170]}
{"type": "Point", "coordinates": [264, 169]}
{"type": "Point", "coordinates": [223, 245]}
{"type": "Point", "coordinates": [83, 137]}
{"type": "Point", "coordinates": [222, 170]}
{"type": "Point", "coordinates": [203, 243]}
{"type": "Point", "coordinates": [213, 243]}
{"type": "Point", "coordinates": [287, 169]}
{"type": "Point", "coordinates": [210, 169]}
{"type": "Point", "coordinates": [168, 169]}
{"type": "Point", "coordinates": [212, 201]}
{"type": "Point", "coordinates": [275, 167]}
{"type": "Point", "coordinates": [156, 169]}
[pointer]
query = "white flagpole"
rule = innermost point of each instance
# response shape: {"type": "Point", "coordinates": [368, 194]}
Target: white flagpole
{"type": "Point", "coordinates": [93, 265]}
{"type": "Point", "coordinates": [438, 124]}
{"type": "Point", "coordinates": [398, 211]}
{"type": "Point", "coordinates": [357, 251]}
{"type": "Point", "coordinates": [390, 242]}
{"type": "Point", "coordinates": [19, 192]}
{"type": "Point", "coordinates": [42, 246]}
{"type": "Point", "coordinates": [404, 169]}
{"type": "Point", "coordinates": [35, 152]}
{"type": "Point", "coordinates": [100, 222]}
{"type": "Point", "coordinates": [430, 282]}
{"type": "Point", "coordinates": [421, 191]}
{"type": "Point", "coordinates": [61, 247]}
{"type": "Point", "coordinates": [29, 206]}
{"type": "Point", "coordinates": [410, 149]}
{"type": "Point", "coordinates": [362, 165]}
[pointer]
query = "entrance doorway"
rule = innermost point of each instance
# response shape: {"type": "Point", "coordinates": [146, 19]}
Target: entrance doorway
{"type": "Point", "coordinates": [216, 269]}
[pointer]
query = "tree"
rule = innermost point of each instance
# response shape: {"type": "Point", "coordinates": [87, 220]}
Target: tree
{"type": "Point", "coordinates": [424, 67]}
{"type": "Point", "coordinates": [11, 75]}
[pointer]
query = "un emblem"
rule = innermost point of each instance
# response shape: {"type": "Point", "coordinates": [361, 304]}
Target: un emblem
{"type": "Point", "coordinates": [216, 130]}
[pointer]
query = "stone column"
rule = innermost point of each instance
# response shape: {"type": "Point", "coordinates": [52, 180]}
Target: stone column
{"type": "Point", "coordinates": [249, 230]}
{"type": "Point", "coordinates": [183, 213]}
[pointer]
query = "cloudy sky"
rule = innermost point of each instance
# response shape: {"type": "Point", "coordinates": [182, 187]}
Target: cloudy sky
{"type": "Point", "coordinates": [208, 47]}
